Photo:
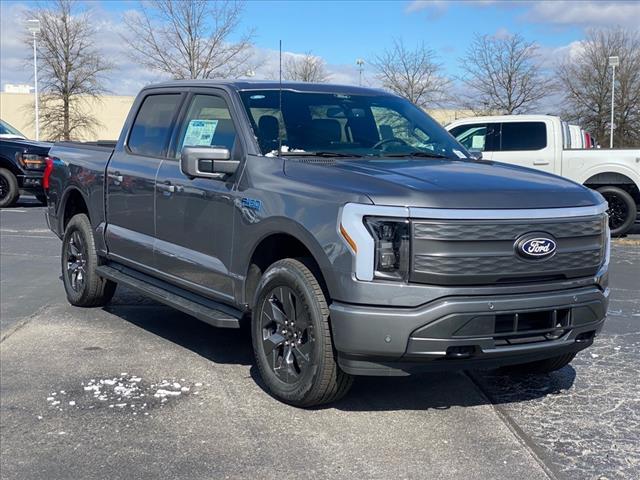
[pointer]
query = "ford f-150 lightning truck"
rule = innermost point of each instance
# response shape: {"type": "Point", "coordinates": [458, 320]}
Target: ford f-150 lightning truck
{"type": "Point", "coordinates": [350, 231]}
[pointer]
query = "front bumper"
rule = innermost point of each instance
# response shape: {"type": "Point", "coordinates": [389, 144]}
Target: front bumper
{"type": "Point", "coordinates": [466, 332]}
{"type": "Point", "coordinates": [31, 182]}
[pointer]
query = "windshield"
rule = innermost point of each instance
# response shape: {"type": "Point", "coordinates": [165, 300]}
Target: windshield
{"type": "Point", "coordinates": [346, 125]}
{"type": "Point", "coordinates": [6, 129]}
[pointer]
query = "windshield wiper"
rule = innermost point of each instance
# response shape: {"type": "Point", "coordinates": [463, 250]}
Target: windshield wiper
{"type": "Point", "coordinates": [416, 154]}
{"type": "Point", "coordinates": [323, 154]}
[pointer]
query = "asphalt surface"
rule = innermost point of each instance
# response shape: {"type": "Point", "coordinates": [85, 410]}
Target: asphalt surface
{"type": "Point", "coordinates": [93, 393]}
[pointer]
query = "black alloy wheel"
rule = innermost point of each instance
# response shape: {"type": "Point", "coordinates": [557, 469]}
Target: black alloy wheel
{"type": "Point", "coordinates": [287, 335]}
{"type": "Point", "coordinates": [291, 336]}
{"type": "Point", "coordinates": [79, 260]}
{"type": "Point", "coordinates": [4, 188]}
{"type": "Point", "coordinates": [622, 209]}
{"type": "Point", "coordinates": [76, 257]}
{"type": "Point", "coordinates": [9, 191]}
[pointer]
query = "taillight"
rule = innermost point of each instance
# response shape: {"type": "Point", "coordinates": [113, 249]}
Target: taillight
{"type": "Point", "coordinates": [48, 168]}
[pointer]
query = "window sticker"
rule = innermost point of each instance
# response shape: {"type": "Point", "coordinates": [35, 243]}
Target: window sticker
{"type": "Point", "coordinates": [200, 133]}
{"type": "Point", "coordinates": [459, 154]}
{"type": "Point", "coordinates": [477, 142]}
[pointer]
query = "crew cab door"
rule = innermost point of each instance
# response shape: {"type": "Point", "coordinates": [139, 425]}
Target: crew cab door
{"type": "Point", "coordinates": [131, 178]}
{"type": "Point", "coordinates": [476, 137]}
{"type": "Point", "coordinates": [525, 143]}
{"type": "Point", "coordinates": [194, 216]}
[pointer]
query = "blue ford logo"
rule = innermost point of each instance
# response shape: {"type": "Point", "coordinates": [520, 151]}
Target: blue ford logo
{"type": "Point", "coordinates": [536, 247]}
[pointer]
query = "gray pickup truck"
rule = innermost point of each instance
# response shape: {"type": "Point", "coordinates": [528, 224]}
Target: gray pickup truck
{"type": "Point", "coordinates": [349, 230]}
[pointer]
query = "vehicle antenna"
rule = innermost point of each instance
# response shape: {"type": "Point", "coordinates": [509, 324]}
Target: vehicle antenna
{"type": "Point", "coordinates": [280, 101]}
{"type": "Point", "coordinates": [280, 107]}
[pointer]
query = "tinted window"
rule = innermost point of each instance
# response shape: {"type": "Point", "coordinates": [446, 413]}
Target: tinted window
{"type": "Point", "coordinates": [523, 136]}
{"type": "Point", "coordinates": [152, 126]}
{"type": "Point", "coordinates": [361, 125]}
{"type": "Point", "coordinates": [473, 137]}
{"type": "Point", "coordinates": [208, 123]}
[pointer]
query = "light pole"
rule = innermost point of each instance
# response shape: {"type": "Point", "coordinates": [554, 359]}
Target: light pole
{"type": "Point", "coordinates": [360, 63]}
{"type": "Point", "coordinates": [34, 27]}
{"type": "Point", "coordinates": [613, 63]}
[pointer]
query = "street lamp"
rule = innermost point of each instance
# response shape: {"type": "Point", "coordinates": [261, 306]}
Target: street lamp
{"type": "Point", "coordinates": [613, 63]}
{"type": "Point", "coordinates": [360, 63]}
{"type": "Point", "coordinates": [34, 27]}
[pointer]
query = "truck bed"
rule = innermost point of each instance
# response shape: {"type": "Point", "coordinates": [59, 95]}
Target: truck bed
{"type": "Point", "coordinates": [81, 166]}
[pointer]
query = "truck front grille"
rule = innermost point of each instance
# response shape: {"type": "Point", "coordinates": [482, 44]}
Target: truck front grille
{"type": "Point", "coordinates": [474, 252]}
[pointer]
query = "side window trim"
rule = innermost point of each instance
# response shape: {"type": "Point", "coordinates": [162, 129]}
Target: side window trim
{"type": "Point", "coordinates": [172, 125]}
{"type": "Point", "coordinates": [238, 145]}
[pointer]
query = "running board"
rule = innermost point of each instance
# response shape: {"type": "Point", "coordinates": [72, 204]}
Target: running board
{"type": "Point", "coordinates": [209, 311]}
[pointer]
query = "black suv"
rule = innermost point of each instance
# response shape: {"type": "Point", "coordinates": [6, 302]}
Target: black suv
{"type": "Point", "coordinates": [22, 163]}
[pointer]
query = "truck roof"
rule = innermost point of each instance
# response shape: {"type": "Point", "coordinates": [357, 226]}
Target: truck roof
{"type": "Point", "coordinates": [506, 118]}
{"type": "Point", "coordinates": [274, 85]}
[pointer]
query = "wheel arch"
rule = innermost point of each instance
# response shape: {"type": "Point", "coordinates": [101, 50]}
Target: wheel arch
{"type": "Point", "coordinates": [9, 165]}
{"type": "Point", "coordinates": [73, 202]}
{"type": "Point", "coordinates": [615, 179]}
{"type": "Point", "coordinates": [286, 242]}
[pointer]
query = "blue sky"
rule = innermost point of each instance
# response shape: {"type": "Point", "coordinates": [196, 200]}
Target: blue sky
{"type": "Point", "coordinates": [340, 32]}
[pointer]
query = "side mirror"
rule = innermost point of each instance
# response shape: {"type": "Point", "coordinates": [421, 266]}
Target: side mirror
{"type": "Point", "coordinates": [476, 155]}
{"type": "Point", "coordinates": [207, 162]}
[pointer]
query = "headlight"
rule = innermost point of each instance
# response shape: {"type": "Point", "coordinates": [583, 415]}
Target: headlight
{"type": "Point", "coordinates": [392, 247]}
{"type": "Point", "coordinates": [31, 161]}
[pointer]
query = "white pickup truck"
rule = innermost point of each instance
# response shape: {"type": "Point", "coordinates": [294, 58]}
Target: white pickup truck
{"type": "Point", "coordinates": [543, 142]}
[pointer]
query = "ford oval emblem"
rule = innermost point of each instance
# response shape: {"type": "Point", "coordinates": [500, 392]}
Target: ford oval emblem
{"type": "Point", "coordinates": [536, 247]}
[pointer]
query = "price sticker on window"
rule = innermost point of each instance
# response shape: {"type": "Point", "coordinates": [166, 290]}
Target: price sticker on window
{"type": "Point", "coordinates": [200, 133]}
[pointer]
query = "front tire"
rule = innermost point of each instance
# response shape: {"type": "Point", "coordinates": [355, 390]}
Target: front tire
{"type": "Point", "coordinates": [292, 339]}
{"type": "Point", "coordinates": [9, 191]}
{"type": "Point", "coordinates": [622, 209]}
{"type": "Point", "coordinates": [547, 365]}
{"type": "Point", "coordinates": [82, 284]}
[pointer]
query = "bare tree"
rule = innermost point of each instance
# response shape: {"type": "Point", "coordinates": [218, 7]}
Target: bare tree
{"type": "Point", "coordinates": [71, 69]}
{"type": "Point", "coordinates": [189, 38]}
{"type": "Point", "coordinates": [586, 79]}
{"type": "Point", "coordinates": [413, 74]}
{"type": "Point", "coordinates": [306, 68]}
{"type": "Point", "coordinates": [502, 75]}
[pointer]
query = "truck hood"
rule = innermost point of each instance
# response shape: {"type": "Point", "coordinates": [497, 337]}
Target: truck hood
{"type": "Point", "coordinates": [435, 183]}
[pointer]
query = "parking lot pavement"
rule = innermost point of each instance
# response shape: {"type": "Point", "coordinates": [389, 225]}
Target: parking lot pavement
{"type": "Point", "coordinates": [138, 390]}
{"type": "Point", "coordinates": [29, 263]}
{"type": "Point", "coordinates": [584, 420]}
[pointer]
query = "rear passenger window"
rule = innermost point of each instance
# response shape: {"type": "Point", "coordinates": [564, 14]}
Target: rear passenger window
{"type": "Point", "coordinates": [523, 136]}
{"type": "Point", "coordinates": [152, 127]}
{"type": "Point", "coordinates": [208, 123]}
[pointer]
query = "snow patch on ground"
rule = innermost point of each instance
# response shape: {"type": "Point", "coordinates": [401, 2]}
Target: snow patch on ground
{"type": "Point", "coordinates": [122, 391]}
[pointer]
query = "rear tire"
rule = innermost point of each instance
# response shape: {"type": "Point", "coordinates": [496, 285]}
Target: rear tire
{"type": "Point", "coordinates": [9, 191]}
{"type": "Point", "coordinates": [292, 338]}
{"type": "Point", "coordinates": [79, 262]}
{"type": "Point", "coordinates": [622, 209]}
{"type": "Point", "coordinates": [541, 366]}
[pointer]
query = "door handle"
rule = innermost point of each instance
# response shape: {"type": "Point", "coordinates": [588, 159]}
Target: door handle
{"type": "Point", "coordinates": [166, 187]}
{"type": "Point", "coordinates": [116, 177]}
{"type": "Point", "coordinates": [541, 162]}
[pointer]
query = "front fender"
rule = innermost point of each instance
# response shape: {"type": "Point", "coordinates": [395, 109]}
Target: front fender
{"type": "Point", "coordinates": [283, 225]}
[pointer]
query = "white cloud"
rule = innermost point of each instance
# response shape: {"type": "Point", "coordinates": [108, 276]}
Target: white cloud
{"type": "Point", "coordinates": [128, 77]}
{"type": "Point", "coordinates": [586, 13]}
{"type": "Point", "coordinates": [434, 8]}
{"type": "Point", "coordinates": [14, 54]}
{"type": "Point", "coordinates": [503, 33]}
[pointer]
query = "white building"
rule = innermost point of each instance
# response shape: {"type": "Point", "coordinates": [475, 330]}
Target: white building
{"type": "Point", "coordinates": [17, 88]}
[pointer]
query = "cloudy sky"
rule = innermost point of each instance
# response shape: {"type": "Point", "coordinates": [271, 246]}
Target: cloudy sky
{"type": "Point", "coordinates": [341, 32]}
